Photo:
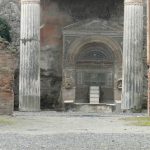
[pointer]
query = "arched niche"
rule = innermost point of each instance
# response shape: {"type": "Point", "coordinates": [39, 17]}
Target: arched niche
{"type": "Point", "coordinates": [109, 52]}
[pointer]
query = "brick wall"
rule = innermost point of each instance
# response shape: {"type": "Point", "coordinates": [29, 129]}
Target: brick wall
{"type": "Point", "coordinates": [7, 66]}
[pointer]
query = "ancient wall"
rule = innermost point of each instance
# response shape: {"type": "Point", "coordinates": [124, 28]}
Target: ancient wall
{"type": "Point", "coordinates": [10, 11]}
{"type": "Point", "coordinates": [55, 14]}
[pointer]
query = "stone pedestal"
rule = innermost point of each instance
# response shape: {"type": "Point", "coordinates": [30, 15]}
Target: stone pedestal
{"type": "Point", "coordinates": [94, 94]}
{"type": "Point", "coordinates": [132, 55]}
{"type": "Point", "coordinates": [29, 84]}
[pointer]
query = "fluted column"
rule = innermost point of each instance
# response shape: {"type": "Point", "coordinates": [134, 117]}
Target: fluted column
{"type": "Point", "coordinates": [148, 54]}
{"type": "Point", "coordinates": [132, 55]}
{"type": "Point", "coordinates": [29, 84]}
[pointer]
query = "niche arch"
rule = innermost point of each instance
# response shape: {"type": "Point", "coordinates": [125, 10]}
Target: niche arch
{"type": "Point", "coordinates": [76, 47]}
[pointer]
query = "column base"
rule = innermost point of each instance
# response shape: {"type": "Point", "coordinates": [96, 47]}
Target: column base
{"type": "Point", "coordinates": [29, 104]}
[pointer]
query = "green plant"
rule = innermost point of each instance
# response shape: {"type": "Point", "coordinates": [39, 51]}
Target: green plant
{"type": "Point", "coordinates": [5, 30]}
{"type": "Point", "coordinates": [138, 121]}
{"type": "Point", "coordinates": [6, 121]}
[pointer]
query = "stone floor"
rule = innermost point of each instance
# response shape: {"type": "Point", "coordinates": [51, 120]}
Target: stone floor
{"type": "Point", "coordinates": [72, 131]}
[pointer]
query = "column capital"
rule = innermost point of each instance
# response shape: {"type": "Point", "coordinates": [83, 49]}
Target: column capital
{"type": "Point", "coordinates": [30, 1]}
{"type": "Point", "coordinates": [133, 2]}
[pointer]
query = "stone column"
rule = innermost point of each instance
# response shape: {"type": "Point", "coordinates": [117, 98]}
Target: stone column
{"type": "Point", "coordinates": [132, 55]}
{"type": "Point", "coordinates": [29, 84]}
{"type": "Point", "coordinates": [148, 53]}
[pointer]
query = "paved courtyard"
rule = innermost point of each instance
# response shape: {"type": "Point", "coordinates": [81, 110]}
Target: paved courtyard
{"type": "Point", "coordinates": [71, 131]}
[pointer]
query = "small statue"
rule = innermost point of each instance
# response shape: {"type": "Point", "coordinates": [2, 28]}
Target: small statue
{"type": "Point", "coordinates": [68, 79]}
{"type": "Point", "coordinates": [68, 83]}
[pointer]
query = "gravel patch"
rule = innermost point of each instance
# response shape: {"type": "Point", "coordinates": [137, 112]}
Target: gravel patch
{"type": "Point", "coordinates": [86, 141]}
{"type": "Point", "coordinates": [72, 131]}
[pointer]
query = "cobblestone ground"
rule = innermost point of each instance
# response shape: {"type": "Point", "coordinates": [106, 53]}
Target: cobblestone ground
{"type": "Point", "coordinates": [69, 131]}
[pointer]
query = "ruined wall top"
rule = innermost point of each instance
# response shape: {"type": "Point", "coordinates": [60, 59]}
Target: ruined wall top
{"type": "Point", "coordinates": [29, 1]}
{"type": "Point", "coordinates": [133, 2]}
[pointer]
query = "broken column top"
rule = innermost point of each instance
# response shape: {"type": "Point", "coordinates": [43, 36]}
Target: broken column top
{"type": "Point", "coordinates": [134, 2]}
{"type": "Point", "coordinates": [30, 1]}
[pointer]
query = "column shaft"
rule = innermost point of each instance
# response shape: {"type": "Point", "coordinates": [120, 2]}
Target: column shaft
{"type": "Point", "coordinates": [29, 84]}
{"type": "Point", "coordinates": [132, 55]}
{"type": "Point", "coordinates": [148, 54]}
